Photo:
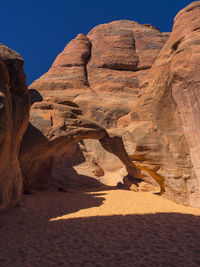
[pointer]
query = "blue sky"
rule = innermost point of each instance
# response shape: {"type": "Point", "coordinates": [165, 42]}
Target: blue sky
{"type": "Point", "coordinates": [40, 29]}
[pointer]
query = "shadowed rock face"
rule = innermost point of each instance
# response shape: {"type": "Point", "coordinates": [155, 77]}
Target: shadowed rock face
{"type": "Point", "coordinates": [102, 71]}
{"type": "Point", "coordinates": [14, 115]}
{"type": "Point", "coordinates": [165, 121]}
{"type": "Point", "coordinates": [56, 125]}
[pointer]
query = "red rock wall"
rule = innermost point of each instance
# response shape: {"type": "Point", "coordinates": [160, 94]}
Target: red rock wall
{"type": "Point", "coordinates": [14, 116]}
{"type": "Point", "coordinates": [165, 120]}
{"type": "Point", "coordinates": [102, 71]}
{"type": "Point", "coordinates": [118, 68]}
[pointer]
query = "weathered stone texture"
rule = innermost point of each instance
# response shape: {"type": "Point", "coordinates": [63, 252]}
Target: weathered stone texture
{"type": "Point", "coordinates": [165, 120]}
{"type": "Point", "coordinates": [14, 116]}
{"type": "Point", "coordinates": [50, 144]}
{"type": "Point", "coordinates": [102, 71]}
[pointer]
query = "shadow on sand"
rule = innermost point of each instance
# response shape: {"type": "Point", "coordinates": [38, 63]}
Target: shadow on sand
{"type": "Point", "coordinates": [28, 238]}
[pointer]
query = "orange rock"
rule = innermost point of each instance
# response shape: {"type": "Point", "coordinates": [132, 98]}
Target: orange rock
{"type": "Point", "coordinates": [56, 125]}
{"type": "Point", "coordinates": [121, 52]}
{"type": "Point", "coordinates": [14, 116]}
{"type": "Point", "coordinates": [165, 120]}
{"type": "Point", "coordinates": [102, 71]}
{"type": "Point", "coordinates": [119, 68]}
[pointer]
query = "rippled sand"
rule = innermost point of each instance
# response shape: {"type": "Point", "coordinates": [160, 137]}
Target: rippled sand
{"type": "Point", "coordinates": [100, 228]}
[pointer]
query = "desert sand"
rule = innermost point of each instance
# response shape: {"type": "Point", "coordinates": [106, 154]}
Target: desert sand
{"type": "Point", "coordinates": [101, 227]}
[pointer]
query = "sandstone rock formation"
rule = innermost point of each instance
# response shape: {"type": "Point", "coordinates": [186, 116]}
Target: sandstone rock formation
{"type": "Point", "coordinates": [56, 125]}
{"type": "Point", "coordinates": [113, 70]}
{"type": "Point", "coordinates": [14, 116]}
{"type": "Point", "coordinates": [102, 71]}
{"type": "Point", "coordinates": [119, 79]}
{"type": "Point", "coordinates": [163, 129]}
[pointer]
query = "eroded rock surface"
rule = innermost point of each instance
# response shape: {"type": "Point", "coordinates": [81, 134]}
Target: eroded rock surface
{"type": "Point", "coordinates": [164, 125]}
{"type": "Point", "coordinates": [50, 143]}
{"type": "Point", "coordinates": [116, 69]}
{"type": "Point", "coordinates": [14, 116]}
{"type": "Point", "coordinates": [102, 71]}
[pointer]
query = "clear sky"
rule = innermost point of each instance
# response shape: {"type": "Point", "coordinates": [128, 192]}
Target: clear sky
{"type": "Point", "coordinates": [40, 29]}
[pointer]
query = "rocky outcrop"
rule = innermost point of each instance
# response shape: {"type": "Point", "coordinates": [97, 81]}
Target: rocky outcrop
{"type": "Point", "coordinates": [117, 78]}
{"type": "Point", "coordinates": [102, 71]}
{"type": "Point", "coordinates": [14, 116]}
{"type": "Point", "coordinates": [114, 69]}
{"type": "Point", "coordinates": [56, 125]}
{"type": "Point", "coordinates": [121, 52]}
{"type": "Point", "coordinates": [163, 129]}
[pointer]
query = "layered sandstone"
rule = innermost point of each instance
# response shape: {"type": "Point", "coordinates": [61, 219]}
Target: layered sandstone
{"type": "Point", "coordinates": [114, 69]}
{"type": "Point", "coordinates": [163, 127]}
{"type": "Point", "coordinates": [102, 71]}
{"type": "Point", "coordinates": [51, 144]}
{"type": "Point", "coordinates": [14, 116]}
{"type": "Point", "coordinates": [117, 68]}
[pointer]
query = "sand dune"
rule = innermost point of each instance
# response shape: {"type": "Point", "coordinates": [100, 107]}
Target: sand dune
{"type": "Point", "coordinates": [99, 228]}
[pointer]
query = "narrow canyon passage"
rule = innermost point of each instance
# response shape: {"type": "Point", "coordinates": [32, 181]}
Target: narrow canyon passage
{"type": "Point", "coordinates": [101, 227]}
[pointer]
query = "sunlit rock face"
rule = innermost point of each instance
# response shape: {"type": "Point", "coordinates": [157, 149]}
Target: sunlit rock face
{"type": "Point", "coordinates": [145, 83]}
{"type": "Point", "coordinates": [14, 116]}
{"type": "Point", "coordinates": [102, 71]}
{"type": "Point", "coordinates": [164, 125]}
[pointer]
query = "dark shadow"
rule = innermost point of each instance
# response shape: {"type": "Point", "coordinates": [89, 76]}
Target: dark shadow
{"type": "Point", "coordinates": [128, 181]}
{"type": "Point", "coordinates": [132, 180]}
{"type": "Point", "coordinates": [72, 180]}
{"type": "Point", "coordinates": [28, 238]}
{"type": "Point", "coordinates": [37, 155]}
{"type": "Point", "coordinates": [35, 159]}
{"type": "Point", "coordinates": [33, 137]}
{"type": "Point", "coordinates": [157, 193]}
{"type": "Point", "coordinates": [35, 96]}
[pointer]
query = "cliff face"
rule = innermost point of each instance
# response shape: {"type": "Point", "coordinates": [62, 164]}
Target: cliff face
{"type": "Point", "coordinates": [165, 120]}
{"type": "Point", "coordinates": [14, 116]}
{"type": "Point", "coordinates": [141, 83]}
{"type": "Point", "coordinates": [120, 79]}
{"type": "Point", "coordinates": [102, 71]}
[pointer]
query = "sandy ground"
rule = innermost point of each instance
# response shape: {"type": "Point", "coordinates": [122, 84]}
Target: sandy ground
{"type": "Point", "coordinates": [100, 228]}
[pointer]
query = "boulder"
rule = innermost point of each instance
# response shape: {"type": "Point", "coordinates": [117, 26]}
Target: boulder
{"type": "Point", "coordinates": [14, 116]}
